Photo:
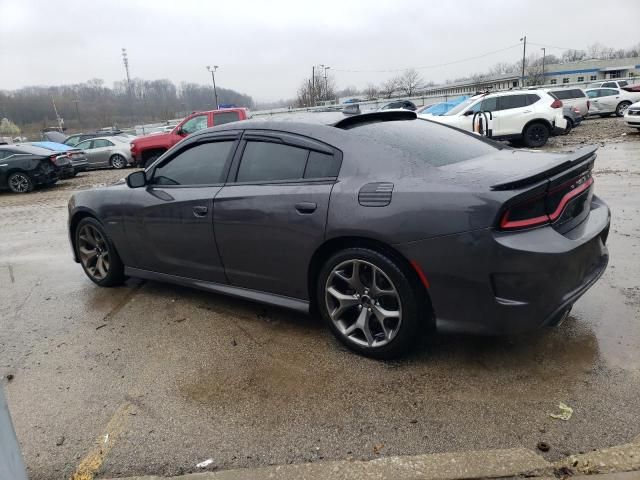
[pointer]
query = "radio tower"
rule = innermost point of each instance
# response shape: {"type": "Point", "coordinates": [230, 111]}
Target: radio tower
{"type": "Point", "coordinates": [125, 61]}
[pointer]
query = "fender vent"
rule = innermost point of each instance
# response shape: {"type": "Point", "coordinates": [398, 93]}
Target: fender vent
{"type": "Point", "coordinates": [375, 194]}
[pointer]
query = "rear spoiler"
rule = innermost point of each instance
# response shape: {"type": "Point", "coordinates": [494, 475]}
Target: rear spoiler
{"type": "Point", "coordinates": [580, 155]}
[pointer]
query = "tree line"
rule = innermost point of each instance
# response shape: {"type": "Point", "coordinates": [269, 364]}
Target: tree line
{"type": "Point", "coordinates": [91, 105]}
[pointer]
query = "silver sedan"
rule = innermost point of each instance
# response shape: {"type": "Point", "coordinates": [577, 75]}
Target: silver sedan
{"type": "Point", "coordinates": [107, 152]}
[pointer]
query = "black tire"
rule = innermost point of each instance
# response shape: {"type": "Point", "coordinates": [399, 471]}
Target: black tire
{"type": "Point", "coordinates": [621, 108]}
{"type": "Point", "coordinates": [115, 270]}
{"type": "Point", "coordinates": [569, 126]}
{"type": "Point", "coordinates": [117, 161]}
{"type": "Point", "coordinates": [535, 135]}
{"type": "Point", "coordinates": [411, 304]}
{"type": "Point", "coordinates": [20, 182]}
{"type": "Point", "coordinates": [149, 160]}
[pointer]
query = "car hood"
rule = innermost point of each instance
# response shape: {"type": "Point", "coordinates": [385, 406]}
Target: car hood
{"type": "Point", "coordinates": [151, 138]}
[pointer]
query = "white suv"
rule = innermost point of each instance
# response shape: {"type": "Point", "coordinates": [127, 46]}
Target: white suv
{"type": "Point", "coordinates": [530, 116]}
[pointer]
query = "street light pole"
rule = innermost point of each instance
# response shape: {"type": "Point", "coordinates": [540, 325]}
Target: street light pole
{"type": "Point", "coordinates": [213, 78]}
{"type": "Point", "coordinates": [326, 83]}
{"type": "Point", "coordinates": [544, 54]}
{"type": "Point", "coordinates": [524, 53]}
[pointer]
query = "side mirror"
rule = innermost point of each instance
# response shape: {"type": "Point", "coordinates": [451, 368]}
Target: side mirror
{"type": "Point", "coordinates": [469, 112]}
{"type": "Point", "coordinates": [137, 179]}
{"type": "Point", "coordinates": [181, 132]}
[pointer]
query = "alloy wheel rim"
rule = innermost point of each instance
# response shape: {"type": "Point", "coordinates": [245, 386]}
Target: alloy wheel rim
{"type": "Point", "coordinates": [118, 161]}
{"type": "Point", "coordinates": [536, 134]}
{"type": "Point", "coordinates": [94, 252]}
{"type": "Point", "coordinates": [363, 303]}
{"type": "Point", "coordinates": [622, 108]}
{"type": "Point", "coordinates": [19, 183]}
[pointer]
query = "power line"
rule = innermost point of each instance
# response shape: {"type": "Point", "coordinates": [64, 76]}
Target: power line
{"type": "Point", "coordinates": [424, 67]}
{"type": "Point", "coordinates": [552, 46]}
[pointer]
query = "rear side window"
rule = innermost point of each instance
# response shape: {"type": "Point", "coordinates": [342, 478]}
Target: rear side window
{"type": "Point", "coordinates": [202, 164]}
{"type": "Point", "coordinates": [512, 101]}
{"type": "Point", "coordinates": [623, 83]}
{"type": "Point", "coordinates": [609, 84]}
{"type": "Point", "coordinates": [532, 98]}
{"type": "Point", "coordinates": [320, 165]}
{"type": "Point", "coordinates": [225, 117]}
{"type": "Point", "coordinates": [264, 161]}
{"type": "Point", "coordinates": [607, 92]}
{"type": "Point", "coordinates": [424, 140]}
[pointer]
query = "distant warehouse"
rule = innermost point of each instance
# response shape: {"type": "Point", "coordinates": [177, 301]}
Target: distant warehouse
{"type": "Point", "coordinates": [584, 71]}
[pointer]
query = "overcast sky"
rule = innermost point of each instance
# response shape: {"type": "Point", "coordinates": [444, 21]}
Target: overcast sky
{"type": "Point", "coordinates": [265, 48]}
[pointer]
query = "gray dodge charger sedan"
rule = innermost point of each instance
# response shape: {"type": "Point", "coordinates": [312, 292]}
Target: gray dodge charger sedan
{"type": "Point", "coordinates": [383, 223]}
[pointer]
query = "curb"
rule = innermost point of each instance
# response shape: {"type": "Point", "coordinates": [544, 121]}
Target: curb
{"type": "Point", "coordinates": [440, 466]}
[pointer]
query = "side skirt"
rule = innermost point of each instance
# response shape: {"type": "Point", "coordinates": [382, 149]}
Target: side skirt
{"type": "Point", "coordinates": [255, 295]}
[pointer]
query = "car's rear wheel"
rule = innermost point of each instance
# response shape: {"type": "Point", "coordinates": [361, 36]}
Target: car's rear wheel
{"type": "Point", "coordinates": [569, 126]}
{"type": "Point", "coordinates": [369, 303]}
{"type": "Point", "coordinates": [118, 161]}
{"type": "Point", "coordinates": [621, 108]}
{"type": "Point", "coordinates": [98, 257]}
{"type": "Point", "coordinates": [535, 135]}
{"type": "Point", "coordinates": [19, 182]}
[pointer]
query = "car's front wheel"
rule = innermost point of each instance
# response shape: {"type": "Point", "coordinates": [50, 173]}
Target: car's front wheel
{"type": "Point", "coordinates": [118, 161]}
{"type": "Point", "coordinates": [621, 108]}
{"type": "Point", "coordinates": [535, 135]}
{"type": "Point", "coordinates": [97, 255]}
{"type": "Point", "coordinates": [370, 303]}
{"type": "Point", "coordinates": [19, 182]}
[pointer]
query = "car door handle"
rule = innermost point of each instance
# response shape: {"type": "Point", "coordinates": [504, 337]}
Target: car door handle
{"type": "Point", "coordinates": [306, 207]}
{"type": "Point", "coordinates": [526, 111]}
{"type": "Point", "coordinates": [200, 211]}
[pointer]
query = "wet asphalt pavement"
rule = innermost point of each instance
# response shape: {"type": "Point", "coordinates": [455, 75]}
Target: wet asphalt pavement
{"type": "Point", "coordinates": [151, 378]}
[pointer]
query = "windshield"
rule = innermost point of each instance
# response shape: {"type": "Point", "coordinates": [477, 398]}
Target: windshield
{"type": "Point", "coordinates": [461, 107]}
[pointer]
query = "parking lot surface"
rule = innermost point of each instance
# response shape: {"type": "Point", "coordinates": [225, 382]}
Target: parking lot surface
{"type": "Point", "coordinates": [151, 378]}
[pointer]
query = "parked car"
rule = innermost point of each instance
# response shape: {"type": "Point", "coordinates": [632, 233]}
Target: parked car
{"type": "Point", "coordinates": [77, 158]}
{"type": "Point", "coordinates": [622, 84]}
{"type": "Point", "coordinates": [24, 166]}
{"type": "Point", "coordinates": [573, 117]}
{"type": "Point", "coordinates": [424, 107]}
{"type": "Point", "coordinates": [53, 136]}
{"type": "Point", "coordinates": [381, 222]}
{"type": "Point", "coordinates": [399, 105]}
{"type": "Point", "coordinates": [530, 116]}
{"type": "Point", "coordinates": [632, 115]}
{"type": "Point", "coordinates": [572, 97]}
{"type": "Point", "coordinates": [607, 101]}
{"type": "Point", "coordinates": [107, 152]}
{"type": "Point", "coordinates": [75, 139]}
{"type": "Point", "coordinates": [147, 149]}
{"type": "Point", "coordinates": [443, 107]}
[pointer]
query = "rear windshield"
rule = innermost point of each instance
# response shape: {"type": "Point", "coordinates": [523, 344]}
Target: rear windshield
{"type": "Point", "coordinates": [436, 144]}
{"type": "Point", "coordinates": [568, 93]}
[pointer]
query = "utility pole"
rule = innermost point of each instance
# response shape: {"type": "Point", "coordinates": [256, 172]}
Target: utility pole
{"type": "Point", "coordinates": [77, 112]}
{"type": "Point", "coordinates": [213, 78]}
{"type": "Point", "coordinates": [544, 54]}
{"type": "Point", "coordinates": [313, 84]}
{"type": "Point", "coordinates": [524, 53]}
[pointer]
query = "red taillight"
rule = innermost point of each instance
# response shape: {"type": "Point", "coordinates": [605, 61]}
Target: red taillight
{"type": "Point", "coordinates": [556, 104]}
{"type": "Point", "coordinates": [545, 208]}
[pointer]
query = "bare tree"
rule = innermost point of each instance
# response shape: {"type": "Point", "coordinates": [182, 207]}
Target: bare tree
{"type": "Point", "coordinates": [371, 92]}
{"type": "Point", "coordinates": [389, 87]}
{"type": "Point", "coordinates": [410, 81]}
{"type": "Point", "coordinates": [312, 91]}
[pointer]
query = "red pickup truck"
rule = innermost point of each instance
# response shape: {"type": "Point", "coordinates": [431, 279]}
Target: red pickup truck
{"type": "Point", "coordinates": [149, 147]}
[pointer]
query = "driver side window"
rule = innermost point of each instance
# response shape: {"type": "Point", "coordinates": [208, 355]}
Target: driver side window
{"type": "Point", "coordinates": [194, 124]}
{"type": "Point", "coordinates": [202, 164]}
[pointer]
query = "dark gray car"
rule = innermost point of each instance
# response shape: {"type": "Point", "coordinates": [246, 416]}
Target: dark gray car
{"type": "Point", "coordinates": [384, 223]}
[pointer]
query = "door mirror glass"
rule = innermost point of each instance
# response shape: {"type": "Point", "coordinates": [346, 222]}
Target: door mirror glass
{"type": "Point", "coordinates": [137, 179]}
